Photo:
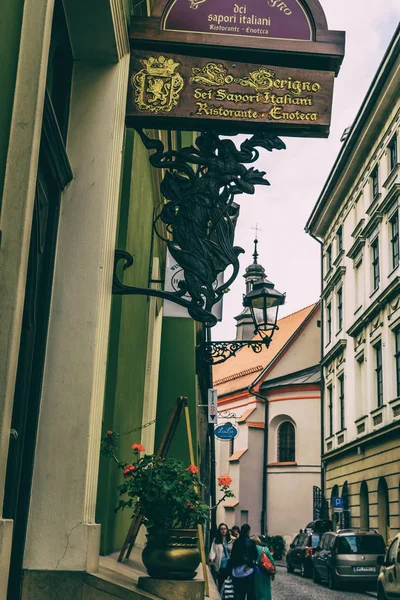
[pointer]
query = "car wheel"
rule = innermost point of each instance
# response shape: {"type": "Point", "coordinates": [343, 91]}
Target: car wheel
{"type": "Point", "coordinates": [316, 576]}
{"type": "Point", "coordinates": [331, 580]}
{"type": "Point", "coordinates": [289, 567]}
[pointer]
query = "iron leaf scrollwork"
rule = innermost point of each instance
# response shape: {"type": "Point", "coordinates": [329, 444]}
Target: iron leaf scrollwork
{"type": "Point", "coordinates": [199, 215]}
{"type": "Point", "coordinates": [213, 353]}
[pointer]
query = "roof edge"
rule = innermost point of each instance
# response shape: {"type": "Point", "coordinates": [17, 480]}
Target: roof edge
{"type": "Point", "coordinates": [362, 115]}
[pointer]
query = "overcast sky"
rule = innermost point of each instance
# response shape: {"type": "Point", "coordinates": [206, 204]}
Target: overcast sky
{"type": "Point", "coordinates": [290, 257]}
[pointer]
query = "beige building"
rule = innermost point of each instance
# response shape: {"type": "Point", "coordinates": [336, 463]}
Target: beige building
{"type": "Point", "coordinates": [274, 398]}
{"type": "Point", "coordinates": [356, 219]}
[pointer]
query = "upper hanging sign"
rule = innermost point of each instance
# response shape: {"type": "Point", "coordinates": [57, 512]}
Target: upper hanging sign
{"type": "Point", "coordinates": [286, 33]}
{"type": "Point", "coordinates": [234, 66]}
{"type": "Point", "coordinates": [274, 19]}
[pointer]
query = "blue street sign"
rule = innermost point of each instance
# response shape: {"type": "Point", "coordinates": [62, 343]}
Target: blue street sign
{"type": "Point", "coordinates": [226, 432]}
{"type": "Point", "coordinates": [337, 502]}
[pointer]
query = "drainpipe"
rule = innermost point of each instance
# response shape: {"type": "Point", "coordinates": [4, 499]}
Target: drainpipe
{"type": "Point", "coordinates": [320, 242]}
{"type": "Point", "coordinates": [264, 499]}
{"type": "Point", "coordinates": [213, 483]}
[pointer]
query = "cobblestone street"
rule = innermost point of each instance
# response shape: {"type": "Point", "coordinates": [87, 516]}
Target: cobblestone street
{"type": "Point", "coordinates": [293, 587]}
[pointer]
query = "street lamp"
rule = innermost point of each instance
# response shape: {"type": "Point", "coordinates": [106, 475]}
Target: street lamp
{"type": "Point", "coordinates": [264, 301]}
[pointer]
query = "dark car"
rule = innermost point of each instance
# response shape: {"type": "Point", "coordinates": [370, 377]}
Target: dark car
{"type": "Point", "coordinates": [348, 556]}
{"type": "Point", "coordinates": [300, 553]}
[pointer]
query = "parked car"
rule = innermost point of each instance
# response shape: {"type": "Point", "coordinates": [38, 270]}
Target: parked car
{"type": "Point", "coordinates": [320, 525]}
{"type": "Point", "coordinates": [348, 556]}
{"type": "Point", "coordinates": [300, 553]}
{"type": "Point", "coordinates": [389, 577]}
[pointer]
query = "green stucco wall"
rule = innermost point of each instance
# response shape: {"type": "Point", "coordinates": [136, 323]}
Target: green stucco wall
{"type": "Point", "coordinates": [128, 337]}
{"type": "Point", "coordinates": [10, 32]}
{"type": "Point", "coordinates": [177, 378]}
{"type": "Point", "coordinates": [126, 369]}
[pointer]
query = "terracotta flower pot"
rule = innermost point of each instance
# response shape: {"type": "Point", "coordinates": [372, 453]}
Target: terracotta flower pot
{"type": "Point", "coordinates": [171, 553]}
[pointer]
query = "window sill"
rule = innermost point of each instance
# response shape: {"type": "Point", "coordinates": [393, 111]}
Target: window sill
{"type": "Point", "coordinates": [358, 309]}
{"type": "Point", "coordinates": [338, 258]}
{"type": "Point", "coordinates": [374, 292]}
{"type": "Point", "coordinates": [376, 410]}
{"type": "Point", "coordinates": [339, 331]}
{"type": "Point", "coordinates": [282, 464]}
{"type": "Point", "coordinates": [393, 271]}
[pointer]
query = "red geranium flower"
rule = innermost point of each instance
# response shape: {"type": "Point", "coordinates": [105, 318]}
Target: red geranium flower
{"type": "Point", "coordinates": [138, 447]}
{"type": "Point", "coordinates": [129, 469]}
{"type": "Point", "coordinates": [109, 432]}
{"type": "Point", "coordinates": [224, 480]}
{"type": "Point", "coordinates": [192, 469]}
{"type": "Point", "coordinates": [190, 505]}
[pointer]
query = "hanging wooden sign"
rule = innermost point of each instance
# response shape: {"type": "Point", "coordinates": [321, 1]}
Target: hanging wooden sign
{"type": "Point", "coordinates": [189, 93]}
{"type": "Point", "coordinates": [275, 19]}
{"type": "Point", "coordinates": [291, 33]}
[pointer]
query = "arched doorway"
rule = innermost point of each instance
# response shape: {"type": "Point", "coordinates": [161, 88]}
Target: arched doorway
{"type": "Point", "coordinates": [334, 515]}
{"type": "Point", "coordinates": [383, 509]}
{"type": "Point", "coordinates": [364, 506]}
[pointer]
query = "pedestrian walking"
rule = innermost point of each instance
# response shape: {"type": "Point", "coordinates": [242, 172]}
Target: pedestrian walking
{"type": "Point", "coordinates": [262, 579]}
{"type": "Point", "coordinates": [243, 559]}
{"type": "Point", "coordinates": [220, 553]}
{"type": "Point", "coordinates": [235, 532]}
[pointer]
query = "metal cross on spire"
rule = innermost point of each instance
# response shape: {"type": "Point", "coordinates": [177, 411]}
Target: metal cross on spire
{"type": "Point", "coordinates": [255, 254]}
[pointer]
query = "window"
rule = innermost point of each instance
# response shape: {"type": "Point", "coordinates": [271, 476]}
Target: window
{"type": "Point", "coordinates": [341, 401]}
{"type": "Point", "coordinates": [379, 373]}
{"type": "Point", "coordinates": [286, 442]}
{"type": "Point", "coordinates": [330, 411]}
{"type": "Point", "coordinates": [244, 517]}
{"type": "Point", "coordinates": [340, 308]}
{"type": "Point", "coordinates": [392, 147]}
{"type": "Point", "coordinates": [339, 237]}
{"type": "Point", "coordinates": [397, 358]}
{"type": "Point", "coordinates": [375, 182]}
{"type": "Point", "coordinates": [358, 285]}
{"type": "Point", "coordinates": [394, 240]}
{"type": "Point", "coordinates": [360, 544]}
{"type": "Point", "coordinates": [360, 400]}
{"type": "Point", "coordinates": [231, 446]}
{"type": "Point", "coordinates": [375, 263]}
{"type": "Point", "coordinates": [329, 323]}
{"type": "Point", "coordinates": [328, 258]}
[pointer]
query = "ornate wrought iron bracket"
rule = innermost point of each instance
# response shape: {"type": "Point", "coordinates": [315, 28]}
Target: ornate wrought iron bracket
{"type": "Point", "coordinates": [198, 219]}
{"type": "Point", "coordinates": [213, 353]}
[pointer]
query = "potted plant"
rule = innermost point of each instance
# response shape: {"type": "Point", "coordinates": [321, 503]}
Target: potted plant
{"type": "Point", "coordinates": [168, 495]}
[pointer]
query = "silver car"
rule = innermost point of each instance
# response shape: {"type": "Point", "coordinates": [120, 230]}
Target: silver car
{"type": "Point", "coordinates": [348, 556]}
{"type": "Point", "coordinates": [389, 577]}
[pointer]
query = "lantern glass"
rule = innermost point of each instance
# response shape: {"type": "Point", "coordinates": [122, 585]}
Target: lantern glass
{"type": "Point", "coordinates": [264, 302]}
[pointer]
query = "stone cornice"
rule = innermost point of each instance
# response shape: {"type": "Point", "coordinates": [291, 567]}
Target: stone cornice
{"type": "Point", "coordinates": [335, 279]}
{"type": "Point", "coordinates": [390, 198]}
{"type": "Point", "coordinates": [371, 225]}
{"type": "Point", "coordinates": [356, 247]}
{"type": "Point", "coordinates": [369, 437]}
{"type": "Point", "coordinates": [375, 307]}
{"type": "Point", "coordinates": [333, 352]}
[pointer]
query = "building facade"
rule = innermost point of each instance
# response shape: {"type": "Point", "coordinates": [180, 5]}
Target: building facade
{"type": "Point", "coordinates": [274, 399]}
{"type": "Point", "coordinates": [75, 361]}
{"type": "Point", "coordinates": [356, 220]}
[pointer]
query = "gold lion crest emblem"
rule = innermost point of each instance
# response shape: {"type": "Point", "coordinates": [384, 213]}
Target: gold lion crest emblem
{"type": "Point", "coordinates": [157, 87]}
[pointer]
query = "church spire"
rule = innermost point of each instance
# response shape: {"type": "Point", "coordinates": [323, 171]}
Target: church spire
{"type": "Point", "coordinates": [254, 272]}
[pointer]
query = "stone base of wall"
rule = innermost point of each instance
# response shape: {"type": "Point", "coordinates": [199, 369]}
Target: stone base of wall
{"type": "Point", "coordinates": [173, 589]}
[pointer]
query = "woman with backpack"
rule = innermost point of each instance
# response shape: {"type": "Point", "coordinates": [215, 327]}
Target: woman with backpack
{"type": "Point", "coordinates": [265, 572]}
{"type": "Point", "coordinates": [243, 562]}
